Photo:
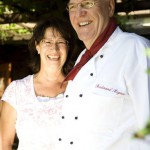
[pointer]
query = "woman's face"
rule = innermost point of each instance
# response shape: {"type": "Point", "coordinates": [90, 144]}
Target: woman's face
{"type": "Point", "coordinates": [53, 49]}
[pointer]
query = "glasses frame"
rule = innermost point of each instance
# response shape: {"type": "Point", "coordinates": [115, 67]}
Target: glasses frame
{"type": "Point", "coordinates": [51, 43]}
{"type": "Point", "coordinates": [81, 5]}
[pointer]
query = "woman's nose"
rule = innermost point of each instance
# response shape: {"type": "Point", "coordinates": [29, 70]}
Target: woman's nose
{"type": "Point", "coordinates": [54, 47]}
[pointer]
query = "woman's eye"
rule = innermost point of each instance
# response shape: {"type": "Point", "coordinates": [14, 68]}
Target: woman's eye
{"type": "Point", "coordinates": [48, 42]}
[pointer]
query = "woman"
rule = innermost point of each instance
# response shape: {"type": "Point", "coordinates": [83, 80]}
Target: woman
{"type": "Point", "coordinates": [32, 106]}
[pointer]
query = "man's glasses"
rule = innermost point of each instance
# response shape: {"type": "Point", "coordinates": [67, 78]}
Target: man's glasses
{"type": "Point", "coordinates": [59, 43]}
{"type": "Point", "coordinates": [71, 7]}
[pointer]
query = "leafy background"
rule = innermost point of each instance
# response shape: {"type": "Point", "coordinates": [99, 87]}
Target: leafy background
{"type": "Point", "coordinates": [15, 16]}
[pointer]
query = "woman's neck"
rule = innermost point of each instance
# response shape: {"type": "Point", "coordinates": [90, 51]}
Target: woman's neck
{"type": "Point", "coordinates": [50, 76]}
{"type": "Point", "coordinates": [49, 84]}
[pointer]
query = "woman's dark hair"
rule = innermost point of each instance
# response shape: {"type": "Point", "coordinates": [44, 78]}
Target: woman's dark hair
{"type": "Point", "coordinates": [66, 31]}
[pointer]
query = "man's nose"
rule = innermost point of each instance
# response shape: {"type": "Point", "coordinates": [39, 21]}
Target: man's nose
{"type": "Point", "coordinates": [80, 11]}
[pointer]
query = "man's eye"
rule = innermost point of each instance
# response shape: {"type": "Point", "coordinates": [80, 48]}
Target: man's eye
{"type": "Point", "coordinates": [71, 7]}
{"type": "Point", "coordinates": [87, 4]}
{"type": "Point", "coordinates": [61, 42]}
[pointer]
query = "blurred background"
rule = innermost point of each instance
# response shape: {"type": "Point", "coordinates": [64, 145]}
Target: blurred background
{"type": "Point", "coordinates": [18, 17]}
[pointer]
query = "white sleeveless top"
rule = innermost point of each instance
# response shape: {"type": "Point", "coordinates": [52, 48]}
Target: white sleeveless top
{"type": "Point", "coordinates": [37, 117]}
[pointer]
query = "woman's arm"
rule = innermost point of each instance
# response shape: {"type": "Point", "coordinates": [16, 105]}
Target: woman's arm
{"type": "Point", "coordinates": [7, 126]}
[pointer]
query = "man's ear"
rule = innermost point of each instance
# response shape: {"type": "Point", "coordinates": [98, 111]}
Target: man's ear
{"type": "Point", "coordinates": [111, 8]}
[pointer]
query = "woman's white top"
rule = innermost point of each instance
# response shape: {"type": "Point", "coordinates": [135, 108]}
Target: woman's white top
{"type": "Point", "coordinates": [37, 117]}
{"type": "Point", "coordinates": [108, 100]}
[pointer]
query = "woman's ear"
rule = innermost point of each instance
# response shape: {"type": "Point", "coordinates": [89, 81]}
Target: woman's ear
{"type": "Point", "coordinates": [37, 47]}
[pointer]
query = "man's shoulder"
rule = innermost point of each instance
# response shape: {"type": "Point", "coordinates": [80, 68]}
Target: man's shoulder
{"type": "Point", "coordinates": [132, 36]}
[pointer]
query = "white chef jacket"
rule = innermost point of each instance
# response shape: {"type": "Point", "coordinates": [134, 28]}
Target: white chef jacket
{"type": "Point", "coordinates": [108, 100]}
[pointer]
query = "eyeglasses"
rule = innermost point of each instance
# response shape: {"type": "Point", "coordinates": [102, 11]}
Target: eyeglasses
{"type": "Point", "coordinates": [59, 43]}
{"type": "Point", "coordinates": [71, 7]}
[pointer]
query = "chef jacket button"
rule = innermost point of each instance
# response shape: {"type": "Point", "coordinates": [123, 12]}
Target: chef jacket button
{"type": "Point", "coordinates": [101, 56]}
{"type": "Point", "coordinates": [91, 74]}
{"type": "Point", "coordinates": [67, 96]}
{"type": "Point", "coordinates": [63, 117]}
{"type": "Point", "coordinates": [59, 139]}
{"type": "Point", "coordinates": [76, 118]}
{"type": "Point", "coordinates": [81, 95]}
{"type": "Point", "coordinates": [71, 142]}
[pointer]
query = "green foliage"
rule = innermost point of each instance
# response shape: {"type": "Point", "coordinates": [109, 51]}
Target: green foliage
{"type": "Point", "coordinates": [15, 12]}
{"type": "Point", "coordinates": [8, 31]}
{"type": "Point", "coordinates": [148, 54]}
{"type": "Point", "coordinates": [2, 9]}
{"type": "Point", "coordinates": [3, 35]}
{"type": "Point", "coordinates": [148, 71]}
{"type": "Point", "coordinates": [143, 132]}
{"type": "Point", "coordinates": [31, 10]}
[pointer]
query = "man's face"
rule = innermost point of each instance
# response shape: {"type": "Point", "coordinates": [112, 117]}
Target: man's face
{"type": "Point", "coordinates": [90, 23]}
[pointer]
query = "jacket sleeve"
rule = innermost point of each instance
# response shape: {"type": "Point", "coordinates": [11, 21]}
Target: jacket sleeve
{"type": "Point", "coordinates": [138, 81]}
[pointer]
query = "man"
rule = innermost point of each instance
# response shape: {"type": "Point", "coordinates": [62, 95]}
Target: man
{"type": "Point", "coordinates": [107, 97]}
